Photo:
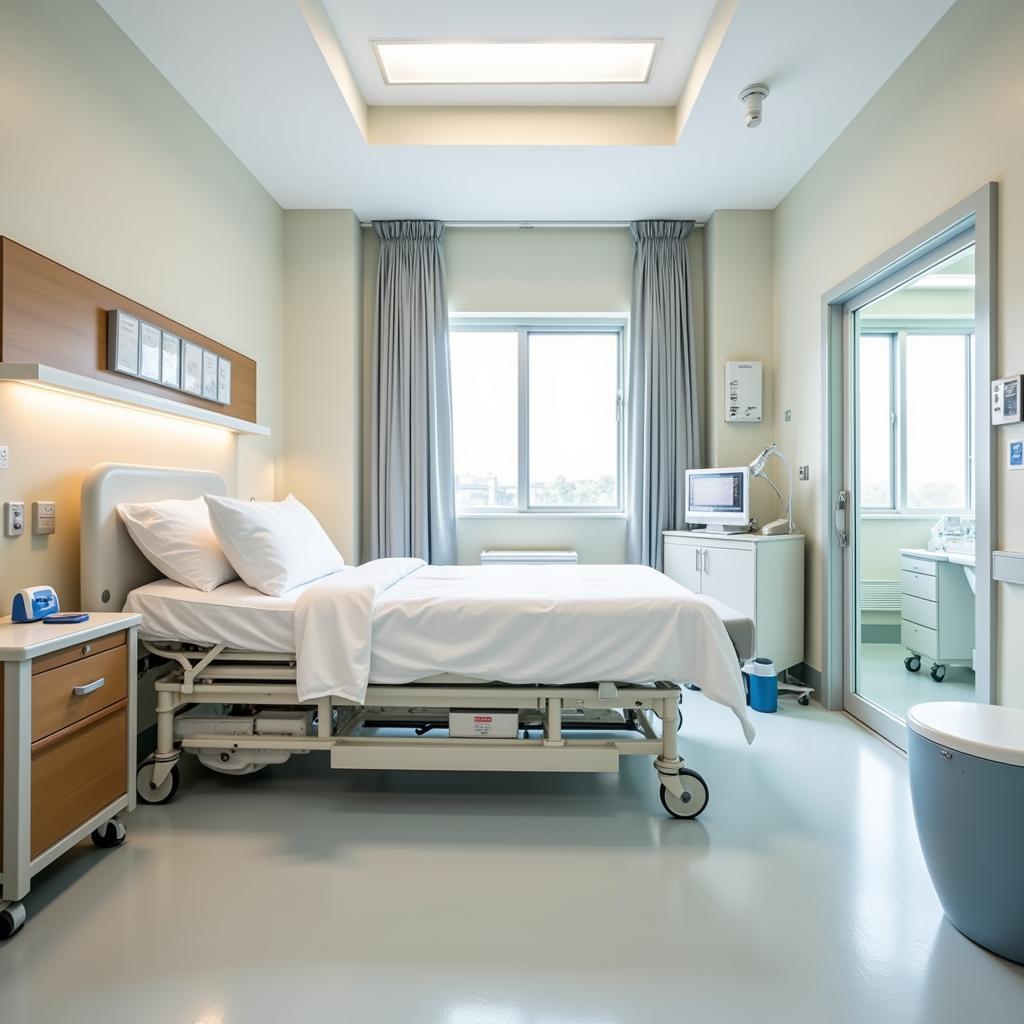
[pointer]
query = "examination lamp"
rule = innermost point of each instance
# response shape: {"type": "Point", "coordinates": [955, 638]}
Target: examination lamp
{"type": "Point", "coordinates": [757, 469]}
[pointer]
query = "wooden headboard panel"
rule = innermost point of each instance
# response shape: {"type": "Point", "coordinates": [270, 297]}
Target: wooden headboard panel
{"type": "Point", "coordinates": [54, 316]}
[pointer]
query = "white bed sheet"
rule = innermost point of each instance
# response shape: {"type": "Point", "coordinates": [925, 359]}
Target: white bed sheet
{"type": "Point", "coordinates": [233, 614]}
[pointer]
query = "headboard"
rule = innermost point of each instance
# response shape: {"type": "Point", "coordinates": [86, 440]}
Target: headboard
{"type": "Point", "coordinates": [111, 563]}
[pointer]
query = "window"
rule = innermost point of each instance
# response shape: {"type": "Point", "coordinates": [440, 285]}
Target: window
{"type": "Point", "coordinates": [537, 410]}
{"type": "Point", "coordinates": [915, 419]}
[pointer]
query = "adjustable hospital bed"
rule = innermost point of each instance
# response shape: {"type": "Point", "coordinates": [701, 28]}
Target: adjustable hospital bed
{"type": "Point", "coordinates": [585, 663]}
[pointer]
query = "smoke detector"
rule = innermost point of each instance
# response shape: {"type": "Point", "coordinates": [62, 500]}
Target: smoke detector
{"type": "Point", "coordinates": [752, 97]}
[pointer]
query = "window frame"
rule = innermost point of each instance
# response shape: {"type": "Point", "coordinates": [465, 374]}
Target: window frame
{"type": "Point", "coordinates": [897, 331]}
{"type": "Point", "coordinates": [524, 326]}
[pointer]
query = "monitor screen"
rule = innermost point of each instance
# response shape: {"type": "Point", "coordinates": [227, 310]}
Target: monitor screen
{"type": "Point", "coordinates": [716, 492]}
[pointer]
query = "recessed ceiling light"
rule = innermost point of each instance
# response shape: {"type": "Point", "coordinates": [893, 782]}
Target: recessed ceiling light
{"type": "Point", "coordinates": [550, 62]}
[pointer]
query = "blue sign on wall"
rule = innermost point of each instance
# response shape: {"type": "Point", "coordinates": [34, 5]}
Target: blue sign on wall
{"type": "Point", "coordinates": [1016, 454]}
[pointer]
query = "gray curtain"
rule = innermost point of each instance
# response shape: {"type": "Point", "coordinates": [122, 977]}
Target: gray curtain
{"type": "Point", "coordinates": [663, 424]}
{"type": "Point", "coordinates": [412, 479]}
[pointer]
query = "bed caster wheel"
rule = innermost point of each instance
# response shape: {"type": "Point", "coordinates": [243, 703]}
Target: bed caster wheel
{"type": "Point", "coordinates": [12, 920]}
{"type": "Point", "coordinates": [692, 802]}
{"type": "Point", "coordinates": [803, 700]}
{"type": "Point", "coordinates": [912, 664]}
{"type": "Point", "coordinates": [107, 836]}
{"type": "Point", "coordinates": [162, 794]}
{"type": "Point", "coordinates": [938, 673]}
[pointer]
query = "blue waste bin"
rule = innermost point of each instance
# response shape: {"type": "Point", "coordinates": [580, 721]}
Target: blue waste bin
{"type": "Point", "coordinates": [762, 684]}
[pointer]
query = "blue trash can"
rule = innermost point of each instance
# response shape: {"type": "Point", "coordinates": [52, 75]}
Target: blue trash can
{"type": "Point", "coordinates": [762, 684]}
{"type": "Point", "coordinates": [967, 785]}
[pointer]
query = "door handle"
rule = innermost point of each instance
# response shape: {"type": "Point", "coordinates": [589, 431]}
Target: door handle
{"type": "Point", "coordinates": [96, 684]}
{"type": "Point", "coordinates": [707, 562]}
{"type": "Point", "coordinates": [696, 551]}
{"type": "Point", "coordinates": [839, 518]}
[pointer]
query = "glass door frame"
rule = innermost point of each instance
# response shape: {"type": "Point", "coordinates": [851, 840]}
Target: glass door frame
{"type": "Point", "coordinates": [970, 222]}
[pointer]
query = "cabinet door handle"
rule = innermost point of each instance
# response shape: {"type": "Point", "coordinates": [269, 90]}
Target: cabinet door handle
{"type": "Point", "coordinates": [707, 562]}
{"type": "Point", "coordinates": [696, 551]}
{"type": "Point", "coordinates": [96, 684]}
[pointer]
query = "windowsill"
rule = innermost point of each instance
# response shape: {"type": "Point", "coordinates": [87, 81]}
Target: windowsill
{"type": "Point", "coordinates": [868, 514]}
{"type": "Point", "coordinates": [572, 514]}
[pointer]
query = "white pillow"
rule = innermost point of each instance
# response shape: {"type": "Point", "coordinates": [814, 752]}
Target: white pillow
{"type": "Point", "coordinates": [273, 545]}
{"type": "Point", "coordinates": [176, 536]}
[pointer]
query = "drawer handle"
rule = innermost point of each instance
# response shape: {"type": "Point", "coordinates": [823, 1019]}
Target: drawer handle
{"type": "Point", "coordinates": [86, 649]}
{"type": "Point", "coordinates": [81, 691]}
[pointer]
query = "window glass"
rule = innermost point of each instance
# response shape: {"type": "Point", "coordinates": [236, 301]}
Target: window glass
{"type": "Point", "coordinates": [875, 421]}
{"type": "Point", "coordinates": [574, 429]}
{"type": "Point", "coordinates": [485, 418]}
{"type": "Point", "coordinates": [936, 421]}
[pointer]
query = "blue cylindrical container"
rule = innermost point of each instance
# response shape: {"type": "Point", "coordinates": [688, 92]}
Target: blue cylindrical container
{"type": "Point", "coordinates": [763, 683]}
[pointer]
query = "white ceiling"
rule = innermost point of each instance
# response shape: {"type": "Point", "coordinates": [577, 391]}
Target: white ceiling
{"type": "Point", "coordinates": [254, 71]}
{"type": "Point", "coordinates": [680, 24]}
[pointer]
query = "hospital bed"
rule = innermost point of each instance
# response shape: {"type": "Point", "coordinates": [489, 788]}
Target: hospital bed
{"type": "Point", "coordinates": [232, 652]}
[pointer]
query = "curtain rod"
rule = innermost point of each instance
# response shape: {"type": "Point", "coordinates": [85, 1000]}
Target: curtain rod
{"type": "Point", "coordinates": [529, 224]}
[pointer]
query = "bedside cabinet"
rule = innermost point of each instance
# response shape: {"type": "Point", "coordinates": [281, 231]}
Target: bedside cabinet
{"type": "Point", "coordinates": [67, 744]}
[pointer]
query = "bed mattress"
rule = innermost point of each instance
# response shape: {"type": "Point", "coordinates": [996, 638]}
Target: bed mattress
{"type": "Point", "coordinates": [246, 620]}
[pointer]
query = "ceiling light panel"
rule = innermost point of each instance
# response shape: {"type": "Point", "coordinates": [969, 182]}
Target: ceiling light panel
{"type": "Point", "coordinates": [423, 62]}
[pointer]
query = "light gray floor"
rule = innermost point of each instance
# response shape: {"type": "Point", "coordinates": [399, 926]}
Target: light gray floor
{"type": "Point", "coordinates": [886, 682]}
{"type": "Point", "coordinates": [800, 896]}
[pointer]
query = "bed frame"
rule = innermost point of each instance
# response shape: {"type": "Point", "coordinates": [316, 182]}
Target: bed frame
{"type": "Point", "coordinates": [392, 729]}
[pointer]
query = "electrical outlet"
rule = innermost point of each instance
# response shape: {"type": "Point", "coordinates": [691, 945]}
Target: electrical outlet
{"type": "Point", "coordinates": [44, 517]}
{"type": "Point", "coordinates": [4, 457]}
{"type": "Point", "coordinates": [805, 472]}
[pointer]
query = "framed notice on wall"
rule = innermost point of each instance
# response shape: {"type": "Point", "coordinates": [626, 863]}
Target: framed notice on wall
{"type": "Point", "coordinates": [224, 381]}
{"type": "Point", "coordinates": [122, 342]}
{"type": "Point", "coordinates": [149, 351]}
{"type": "Point", "coordinates": [170, 361]}
{"type": "Point", "coordinates": [210, 376]}
{"type": "Point", "coordinates": [191, 368]}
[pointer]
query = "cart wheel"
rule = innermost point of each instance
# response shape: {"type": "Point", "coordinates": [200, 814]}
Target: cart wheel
{"type": "Point", "coordinates": [109, 835]}
{"type": "Point", "coordinates": [912, 664]}
{"type": "Point", "coordinates": [804, 699]}
{"type": "Point", "coordinates": [938, 673]}
{"type": "Point", "coordinates": [693, 800]}
{"type": "Point", "coordinates": [12, 920]}
{"type": "Point", "coordinates": [161, 794]}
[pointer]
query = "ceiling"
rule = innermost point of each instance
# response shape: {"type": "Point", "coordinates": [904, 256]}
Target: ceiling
{"type": "Point", "coordinates": [292, 87]}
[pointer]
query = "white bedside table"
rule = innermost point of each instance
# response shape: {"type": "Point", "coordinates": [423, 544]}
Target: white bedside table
{"type": "Point", "coordinates": [67, 744]}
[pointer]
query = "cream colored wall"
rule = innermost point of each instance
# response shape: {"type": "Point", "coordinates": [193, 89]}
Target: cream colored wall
{"type": "Point", "coordinates": [738, 310]}
{"type": "Point", "coordinates": [322, 369]}
{"type": "Point", "coordinates": [539, 270]}
{"type": "Point", "coordinates": [106, 169]}
{"type": "Point", "coordinates": [962, 86]}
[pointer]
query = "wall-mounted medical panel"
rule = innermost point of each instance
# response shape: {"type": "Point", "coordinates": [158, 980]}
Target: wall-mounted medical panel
{"type": "Point", "coordinates": [57, 318]}
{"type": "Point", "coordinates": [744, 396]}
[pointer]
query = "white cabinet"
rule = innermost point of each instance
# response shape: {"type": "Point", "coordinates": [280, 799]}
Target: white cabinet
{"type": "Point", "coordinates": [937, 611]}
{"type": "Point", "coordinates": [762, 577]}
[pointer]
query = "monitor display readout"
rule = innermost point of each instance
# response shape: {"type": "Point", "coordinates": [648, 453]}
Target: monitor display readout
{"type": "Point", "coordinates": [720, 492]}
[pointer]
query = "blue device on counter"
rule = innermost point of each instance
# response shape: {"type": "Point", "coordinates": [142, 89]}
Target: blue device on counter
{"type": "Point", "coordinates": [34, 603]}
{"type": "Point", "coordinates": [66, 618]}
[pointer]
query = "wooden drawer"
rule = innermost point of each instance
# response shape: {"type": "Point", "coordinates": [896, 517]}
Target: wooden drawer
{"type": "Point", "coordinates": [917, 585]}
{"type": "Point", "coordinates": [56, 705]}
{"type": "Point", "coordinates": [79, 651]}
{"type": "Point", "coordinates": [920, 639]}
{"type": "Point", "coordinates": [924, 613]}
{"type": "Point", "coordinates": [76, 773]}
{"type": "Point", "coordinates": [925, 566]}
